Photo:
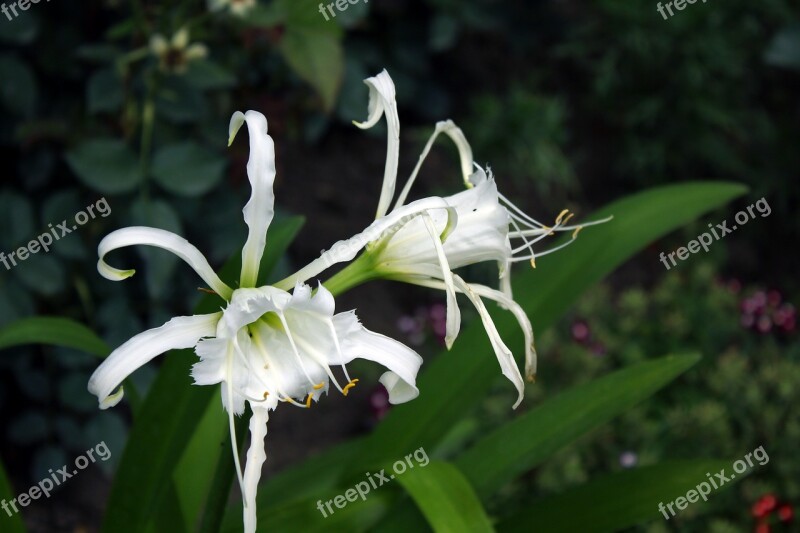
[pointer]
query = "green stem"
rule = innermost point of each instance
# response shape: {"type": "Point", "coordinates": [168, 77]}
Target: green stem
{"type": "Point", "coordinates": [361, 270]}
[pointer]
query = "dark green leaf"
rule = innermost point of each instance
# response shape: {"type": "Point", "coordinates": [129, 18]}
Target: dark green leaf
{"type": "Point", "coordinates": [616, 501]}
{"type": "Point", "coordinates": [207, 75]}
{"type": "Point", "coordinates": [104, 92]}
{"type": "Point", "coordinates": [531, 438]}
{"type": "Point", "coordinates": [18, 92]}
{"type": "Point", "coordinates": [318, 58]}
{"type": "Point", "coordinates": [188, 169]}
{"type": "Point", "coordinates": [54, 331]}
{"type": "Point", "coordinates": [106, 165]}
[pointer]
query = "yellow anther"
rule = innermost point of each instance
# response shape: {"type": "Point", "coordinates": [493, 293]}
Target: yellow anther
{"type": "Point", "coordinates": [566, 219]}
{"type": "Point", "coordinates": [533, 262]}
{"type": "Point", "coordinates": [207, 291]}
{"type": "Point", "coordinates": [266, 394]}
{"type": "Point", "coordinates": [319, 385]}
{"type": "Point", "coordinates": [349, 386]}
{"type": "Point", "coordinates": [308, 400]}
{"type": "Point", "coordinates": [577, 230]}
{"type": "Point", "coordinates": [561, 215]}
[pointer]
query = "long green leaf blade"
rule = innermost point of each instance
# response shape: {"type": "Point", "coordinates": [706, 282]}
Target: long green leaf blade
{"type": "Point", "coordinates": [53, 331]}
{"type": "Point", "coordinates": [616, 501]}
{"type": "Point", "coordinates": [533, 437]}
{"type": "Point", "coordinates": [446, 498]}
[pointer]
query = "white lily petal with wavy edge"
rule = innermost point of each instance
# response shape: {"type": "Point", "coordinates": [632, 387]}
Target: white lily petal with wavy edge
{"type": "Point", "coordinates": [453, 312]}
{"type": "Point", "coordinates": [464, 152]}
{"type": "Point", "coordinates": [382, 101]}
{"type": "Point", "coordinates": [260, 209]}
{"type": "Point", "coordinates": [159, 238]}
{"type": "Point", "coordinates": [180, 332]}
{"type": "Point", "coordinates": [256, 456]}
{"type": "Point", "coordinates": [402, 362]}
{"type": "Point", "coordinates": [347, 249]}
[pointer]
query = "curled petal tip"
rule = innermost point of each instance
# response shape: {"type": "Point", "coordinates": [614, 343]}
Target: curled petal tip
{"type": "Point", "coordinates": [233, 128]}
{"type": "Point", "coordinates": [112, 399]}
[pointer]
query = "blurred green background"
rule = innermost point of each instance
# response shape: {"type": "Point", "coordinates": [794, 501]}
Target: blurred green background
{"type": "Point", "coordinates": [572, 104]}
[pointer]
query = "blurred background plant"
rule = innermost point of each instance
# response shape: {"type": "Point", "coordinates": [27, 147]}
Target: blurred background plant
{"type": "Point", "coordinates": [569, 104]}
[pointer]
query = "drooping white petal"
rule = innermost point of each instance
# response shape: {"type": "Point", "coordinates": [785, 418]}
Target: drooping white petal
{"type": "Point", "coordinates": [256, 456]}
{"type": "Point", "coordinates": [260, 210]}
{"type": "Point", "coordinates": [464, 154]}
{"type": "Point", "coordinates": [346, 250]}
{"type": "Point", "coordinates": [382, 101]}
{"type": "Point", "coordinates": [180, 332]}
{"type": "Point", "coordinates": [524, 322]}
{"type": "Point", "coordinates": [504, 356]}
{"type": "Point", "coordinates": [402, 362]}
{"type": "Point", "coordinates": [453, 322]}
{"type": "Point", "coordinates": [159, 238]}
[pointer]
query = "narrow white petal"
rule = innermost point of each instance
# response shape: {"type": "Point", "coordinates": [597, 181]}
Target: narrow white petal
{"type": "Point", "coordinates": [382, 101]}
{"type": "Point", "coordinates": [402, 362]}
{"type": "Point", "coordinates": [504, 356]}
{"type": "Point", "coordinates": [464, 154]}
{"type": "Point", "coordinates": [524, 322]}
{"type": "Point", "coordinates": [139, 235]}
{"type": "Point", "coordinates": [453, 313]}
{"type": "Point", "coordinates": [180, 332]}
{"type": "Point", "coordinates": [260, 210]}
{"type": "Point", "coordinates": [256, 456]}
{"type": "Point", "coordinates": [347, 249]}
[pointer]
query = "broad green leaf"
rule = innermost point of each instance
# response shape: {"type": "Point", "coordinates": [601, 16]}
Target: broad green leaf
{"type": "Point", "coordinates": [42, 274]}
{"type": "Point", "coordinates": [54, 331]}
{"type": "Point", "coordinates": [105, 165]}
{"type": "Point", "coordinates": [207, 75]}
{"type": "Point", "coordinates": [152, 460]}
{"type": "Point", "coordinates": [617, 501]}
{"type": "Point", "coordinates": [784, 50]}
{"type": "Point", "coordinates": [161, 264]}
{"type": "Point", "coordinates": [456, 382]}
{"type": "Point", "coordinates": [18, 92]}
{"type": "Point", "coordinates": [526, 441]}
{"type": "Point", "coordinates": [21, 30]}
{"type": "Point", "coordinates": [318, 58]}
{"type": "Point", "coordinates": [11, 524]}
{"type": "Point", "coordinates": [188, 169]}
{"type": "Point", "coordinates": [104, 92]}
{"type": "Point", "coordinates": [446, 498]}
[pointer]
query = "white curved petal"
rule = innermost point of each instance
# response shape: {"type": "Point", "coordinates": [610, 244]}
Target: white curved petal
{"type": "Point", "coordinates": [256, 456]}
{"type": "Point", "coordinates": [260, 210]}
{"type": "Point", "coordinates": [139, 235]}
{"type": "Point", "coordinates": [180, 332]}
{"type": "Point", "coordinates": [382, 101]}
{"type": "Point", "coordinates": [453, 312]}
{"type": "Point", "coordinates": [347, 249]}
{"type": "Point", "coordinates": [464, 154]}
{"type": "Point", "coordinates": [402, 362]}
{"type": "Point", "coordinates": [523, 320]}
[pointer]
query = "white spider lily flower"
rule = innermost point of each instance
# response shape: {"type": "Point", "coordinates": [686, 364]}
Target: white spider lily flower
{"type": "Point", "coordinates": [175, 55]}
{"type": "Point", "coordinates": [267, 345]}
{"type": "Point", "coordinates": [424, 241]}
{"type": "Point", "coordinates": [240, 8]}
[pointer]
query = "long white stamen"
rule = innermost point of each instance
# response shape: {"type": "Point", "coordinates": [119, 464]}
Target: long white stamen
{"type": "Point", "coordinates": [234, 443]}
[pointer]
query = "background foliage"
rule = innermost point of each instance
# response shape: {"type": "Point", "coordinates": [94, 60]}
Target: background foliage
{"type": "Point", "coordinates": [572, 105]}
